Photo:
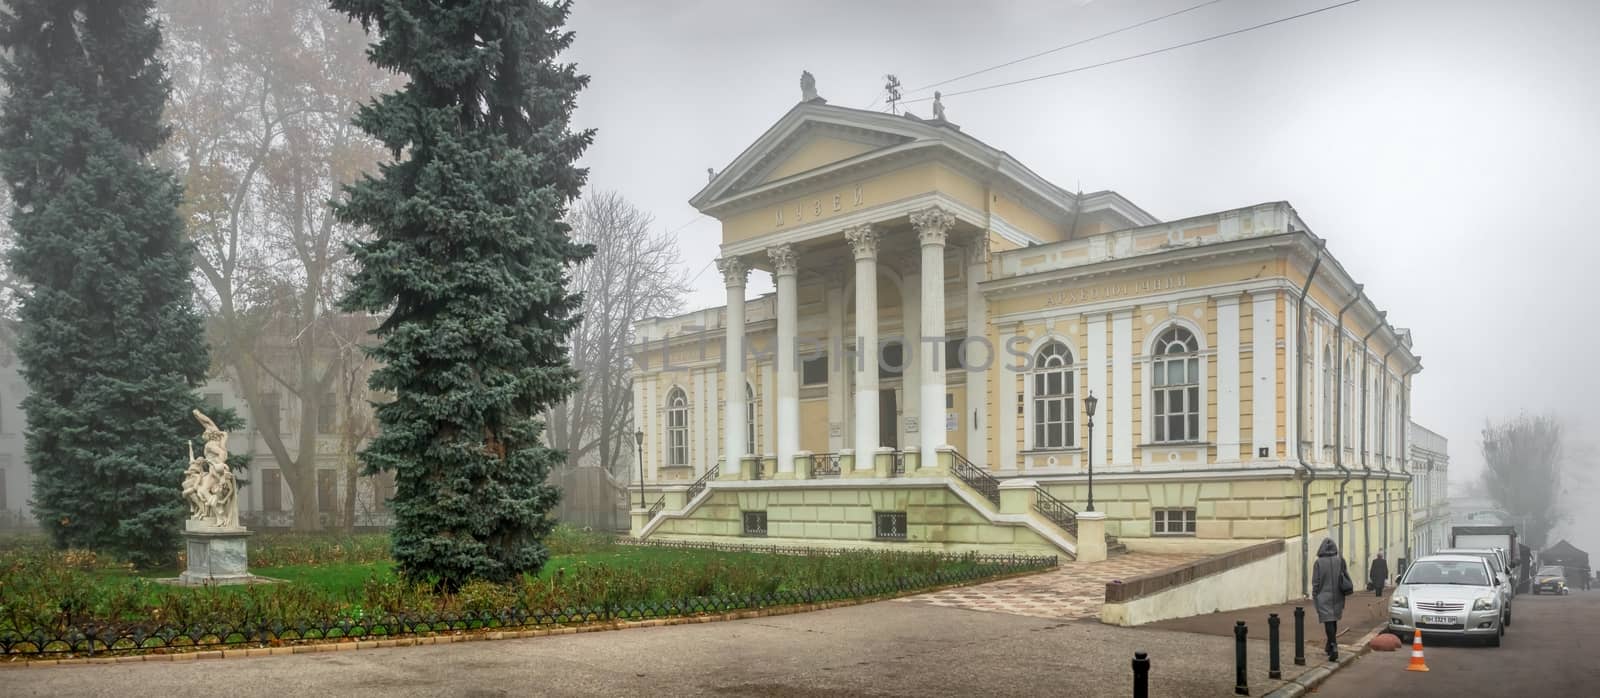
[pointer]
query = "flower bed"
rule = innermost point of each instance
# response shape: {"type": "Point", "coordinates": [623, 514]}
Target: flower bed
{"type": "Point", "coordinates": [54, 603]}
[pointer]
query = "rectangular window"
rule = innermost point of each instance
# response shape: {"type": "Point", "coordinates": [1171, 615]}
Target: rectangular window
{"type": "Point", "coordinates": [755, 523]}
{"type": "Point", "coordinates": [1053, 412]}
{"type": "Point", "coordinates": [1174, 522]}
{"type": "Point", "coordinates": [271, 412]}
{"type": "Point", "coordinates": [271, 490]}
{"type": "Point", "coordinates": [1176, 400]}
{"type": "Point", "coordinates": [889, 525]}
{"type": "Point", "coordinates": [327, 491]}
{"type": "Point", "coordinates": [814, 371]}
{"type": "Point", "coordinates": [892, 362]}
{"type": "Point", "coordinates": [383, 490]}
{"type": "Point", "coordinates": [952, 354]}
{"type": "Point", "coordinates": [327, 413]}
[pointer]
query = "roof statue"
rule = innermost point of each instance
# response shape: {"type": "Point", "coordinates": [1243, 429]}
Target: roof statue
{"type": "Point", "coordinates": [808, 87]}
{"type": "Point", "coordinates": [938, 107]}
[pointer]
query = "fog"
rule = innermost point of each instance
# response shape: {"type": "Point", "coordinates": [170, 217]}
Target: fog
{"type": "Point", "coordinates": [1444, 148]}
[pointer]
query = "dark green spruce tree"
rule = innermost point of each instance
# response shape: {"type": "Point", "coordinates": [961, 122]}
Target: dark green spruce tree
{"type": "Point", "coordinates": [111, 346]}
{"type": "Point", "coordinates": [470, 259]}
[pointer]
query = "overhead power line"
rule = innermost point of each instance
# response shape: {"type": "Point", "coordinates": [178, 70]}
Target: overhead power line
{"type": "Point", "coordinates": [1064, 47]}
{"type": "Point", "coordinates": [1047, 52]}
{"type": "Point", "coordinates": [1136, 56]}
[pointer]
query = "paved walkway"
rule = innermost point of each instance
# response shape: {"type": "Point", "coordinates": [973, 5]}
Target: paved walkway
{"type": "Point", "coordinates": [879, 649]}
{"type": "Point", "coordinates": [1362, 613]}
{"type": "Point", "coordinates": [1076, 590]}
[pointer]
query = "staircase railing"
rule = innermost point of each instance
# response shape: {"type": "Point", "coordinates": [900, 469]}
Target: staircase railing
{"type": "Point", "coordinates": [983, 483]}
{"type": "Point", "coordinates": [700, 485]}
{"type": "Point", "coordinates": [656, 508]}
{"type": "Point", "coordinates": [1055, 510]}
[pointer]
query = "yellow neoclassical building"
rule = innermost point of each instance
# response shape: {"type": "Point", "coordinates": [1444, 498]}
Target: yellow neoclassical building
{"type": "Point", "coordinates": [1245, 389]}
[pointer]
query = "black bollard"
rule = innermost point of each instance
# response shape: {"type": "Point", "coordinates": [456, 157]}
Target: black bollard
{"type": "Point", "coordinates": [1273, 669]}
{"type": "Point", "coordinates": [1141, 675]}
{"type": "Point", "coordinates": [1242, 683]}
{"type": "Point", "coordinates": [1299, 635]}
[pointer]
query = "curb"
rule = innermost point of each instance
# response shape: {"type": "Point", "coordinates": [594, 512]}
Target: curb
{"type": "Point", "coordinates": [217, 652]}
{"type": "Point", "coordinates": [1308, 681]}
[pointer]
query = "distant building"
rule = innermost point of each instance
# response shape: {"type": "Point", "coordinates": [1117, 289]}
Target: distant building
{"type": "Point", "coordinates": [1428, 461]}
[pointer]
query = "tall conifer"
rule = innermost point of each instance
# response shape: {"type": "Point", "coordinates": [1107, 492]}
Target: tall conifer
{"type": "Point", "coordinates": [470, 259]}
{"type": "Point", "coordinates": [111, 346]}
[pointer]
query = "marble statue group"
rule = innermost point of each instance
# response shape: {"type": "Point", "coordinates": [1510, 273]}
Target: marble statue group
{"type": "Point", "coordinates": [209, 485]}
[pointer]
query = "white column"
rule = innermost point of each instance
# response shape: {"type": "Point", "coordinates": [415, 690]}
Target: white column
{"type": "Point", "coordinates": [977, 417]}
{"type": "Point", "coordinates": [1318, 404]}
{"type": "Point", "coordinates": [1121, 421]}
{"type": "Point", "coordinates": [1228, 378]}
{"type": "Point", "coordinates": [784, 269]}
{"type": "Point", "coordinates": [1095, 377]}
{"type": "Point", "coordinates": [864, 243]}
{"type": "Point", "coordinates": [734, 274]}
{"type": "Point", "coordinates": [1006, 367]}
{"type": "Point", "coordinates": [836, 367]}
{"type": "Point", "coordinates": [932, 226]}
{"type": "Point", "coordinates": [1264, 381]}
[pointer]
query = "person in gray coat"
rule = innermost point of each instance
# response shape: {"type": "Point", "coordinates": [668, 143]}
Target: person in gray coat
{"type": "Point", "coordinates": [1330, 583]}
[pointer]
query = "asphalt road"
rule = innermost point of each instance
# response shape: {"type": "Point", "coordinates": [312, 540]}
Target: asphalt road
{"type": "Point", "coordinates": [879, 649]}
{"type": "Point", "coordinates": [1550, 649]}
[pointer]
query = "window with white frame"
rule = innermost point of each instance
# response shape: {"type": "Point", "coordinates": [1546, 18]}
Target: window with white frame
{"type": "Point", "coordinates": [677, 428]}
{"type": "Point", "coordinates": [749, 420]}
{"type": "Point", "coordinates": [1174, 522]}
{"type": "Point", "coordinates": [1175, 391]}
{"type": "Point", "coordinates": [1052, 396]}
{"type": "Point", "coordinates": [1330, 396]}
{"type": "Point", "coordinates": [1347, 404]}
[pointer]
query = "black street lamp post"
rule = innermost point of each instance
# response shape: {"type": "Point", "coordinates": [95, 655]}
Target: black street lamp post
{"type": "Point", "coordinates": [1088, 409]}
{"type": "Point", "coordinates": [638, 446]}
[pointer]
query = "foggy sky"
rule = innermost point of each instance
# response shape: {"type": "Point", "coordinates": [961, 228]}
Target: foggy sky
{"type": "Point", "coordinates": [1444, 148]}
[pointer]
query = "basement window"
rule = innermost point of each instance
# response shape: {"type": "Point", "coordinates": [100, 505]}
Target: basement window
{"type": "Point", "coordinates": [755, 523]}
{"type": "Point", "coordinates": [889, 525]}
{"type": "Point", "coordinates": [1174, 522]}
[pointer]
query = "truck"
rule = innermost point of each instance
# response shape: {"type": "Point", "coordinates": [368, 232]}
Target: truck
{"type": "Point", "coordinates": [1501, 538]}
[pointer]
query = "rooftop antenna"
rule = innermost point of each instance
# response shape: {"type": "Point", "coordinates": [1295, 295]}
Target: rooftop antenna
{"type": "Point", "coordinates": [891, 88]}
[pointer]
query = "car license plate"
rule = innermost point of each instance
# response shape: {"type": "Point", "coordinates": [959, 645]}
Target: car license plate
{"type": "Point", "coordinates": [1439, 620]}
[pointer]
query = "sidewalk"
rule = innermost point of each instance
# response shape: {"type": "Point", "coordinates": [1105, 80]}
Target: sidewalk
{"type": "Point", "coordinates": [1362, 613]}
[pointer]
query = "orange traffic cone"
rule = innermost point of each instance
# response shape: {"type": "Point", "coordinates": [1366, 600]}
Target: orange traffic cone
{"type": "Point", "coordinates": [1416, 654]}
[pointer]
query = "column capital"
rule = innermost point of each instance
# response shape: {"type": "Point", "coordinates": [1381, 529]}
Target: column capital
{"type": "Point", "coordinates": [863, 240]}
{"type": "Point", "coordinates": [784, 260]}
{"type": "Point", "coordinates": [932, 224]}
{"type": "Point", "coordinates": [735, 272]}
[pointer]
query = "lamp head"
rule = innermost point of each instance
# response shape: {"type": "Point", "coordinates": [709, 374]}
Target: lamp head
{"type": "Point", "coordinates": [1089, 404]}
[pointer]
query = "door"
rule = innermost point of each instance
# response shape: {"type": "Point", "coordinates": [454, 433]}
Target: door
{"type": "Point", "coordinates": [888, 431]}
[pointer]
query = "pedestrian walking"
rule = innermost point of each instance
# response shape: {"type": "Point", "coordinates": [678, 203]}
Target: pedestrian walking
{"type": "Point", "coordinates": [1330, 584]}
{"type": "Point", "coordinates": [1378, 574]}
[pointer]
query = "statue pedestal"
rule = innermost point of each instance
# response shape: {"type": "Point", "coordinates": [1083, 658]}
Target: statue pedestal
{"type": "Point", "coordinates": [216, 555]}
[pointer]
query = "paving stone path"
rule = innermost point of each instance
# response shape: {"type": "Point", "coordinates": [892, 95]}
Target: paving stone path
{"type": "Point", "coordinates": [1076, 590]}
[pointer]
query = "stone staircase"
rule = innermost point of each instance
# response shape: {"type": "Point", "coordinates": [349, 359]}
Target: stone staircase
{"type": "Point", "coordinates": [1045, 504]}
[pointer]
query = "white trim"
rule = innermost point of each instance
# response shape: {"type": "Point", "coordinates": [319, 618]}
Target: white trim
{"type": "Point", "coordinates": [1121, 407]}
{"type": "Point", "coordinates": [1264, 376]}
{"type": "Point", "coordinates": [1095, 377]}
{"type": "Point", "coordinates": [1005, 394]}
{"type": "Point", "coordinates": [1228, 399]}
{"type": "Point", "coordinates": [1035, 345]}
{"type": "Point", "coordinates": [1130, 302]}
{"type": "Point", "coordinates": [1147, 364]}
{"type": "Point", "coordinates": [873, 214]}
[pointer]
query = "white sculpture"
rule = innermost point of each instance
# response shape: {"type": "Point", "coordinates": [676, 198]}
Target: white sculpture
{"type": "Point", "coordinates": [808, 86]}
{"type": "Point", "coordinates": [208, 483]}
{"type": "Point", "coordinates": [938, 107]}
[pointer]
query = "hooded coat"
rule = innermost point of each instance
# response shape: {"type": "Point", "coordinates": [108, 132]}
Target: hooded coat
{"type": "Point", "coordinates": [1329, 581]}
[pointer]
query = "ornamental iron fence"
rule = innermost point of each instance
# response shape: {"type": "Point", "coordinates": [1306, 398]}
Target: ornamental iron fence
{"type": "Point", "coordinates": [984, 483]}
{"type": "Point", "coordinates": [1055, 510]}
{"type": "Point", "coordinates": [825, 465]}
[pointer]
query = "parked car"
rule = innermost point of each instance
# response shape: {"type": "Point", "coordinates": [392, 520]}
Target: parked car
{"type": "Point", "coordinates": [1551, 579]}
{"type": "Point", "coordinates": [1496, 559]}
{"type": "Point", "coordinates": [1457, 595]}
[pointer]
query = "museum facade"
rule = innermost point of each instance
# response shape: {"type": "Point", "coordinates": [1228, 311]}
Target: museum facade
{"type": "Point", "coordinates": [943, 325]}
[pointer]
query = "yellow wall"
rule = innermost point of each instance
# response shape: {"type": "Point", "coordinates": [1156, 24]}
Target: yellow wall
{"type": "Point", "coordinates": [816, 153]}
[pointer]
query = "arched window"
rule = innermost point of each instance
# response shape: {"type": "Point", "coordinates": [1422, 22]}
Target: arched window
{"type": "Point", "coordinates": [1175, 395]}
{"type": "Point", "coordinates": [749, 420]}
{"type": "Point", "coordinates": [1347, 404]}
{"type": "Point", "coordinates": [677, 428]}
{"type": "Point", "coordinates": [1330, 396]}
{"type": "Point", "coordinates": [1052, 396]}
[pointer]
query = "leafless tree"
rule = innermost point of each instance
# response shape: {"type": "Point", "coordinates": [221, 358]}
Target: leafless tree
{"type": "Point", "coordinates": [1524, 459]}
{"type": "Point", "coordinates": [634, 274]}
{"type": "Point", "coordinates": [263, 93]}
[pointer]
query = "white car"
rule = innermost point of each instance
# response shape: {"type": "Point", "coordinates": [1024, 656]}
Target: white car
{"type": "Point", "coordinates": [1456, 595]}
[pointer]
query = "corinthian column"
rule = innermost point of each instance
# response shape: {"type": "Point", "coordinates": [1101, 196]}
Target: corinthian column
{"type": "Point", "coordinates": [864, 243]}
{"type": "Point", "coordinates": [784, 269]}
{"type": "Point", "coordinates": [734, 274]}
{"type": "Point", "coordinates": [932, 226]}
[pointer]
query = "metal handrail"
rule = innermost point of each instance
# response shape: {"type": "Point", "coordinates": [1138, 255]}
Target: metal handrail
{"type": "Point", "coordinates": [656, 508]}
{"type": "Point", "coordinates": [825, 465]}
{"type": "Point", "coordinates": [699, 485]}
{"type": "Point", "coordinates": [984, 483]}
{"type": "Point", "coordinates": [1055, 510]}
{"type": "Point", "coordinates": [899, 467]}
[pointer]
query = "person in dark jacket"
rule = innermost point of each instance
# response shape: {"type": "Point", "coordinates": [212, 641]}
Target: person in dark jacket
{"type": "Point", "coordinates": [1330, 583]}
{"type": "Point", "coordinates": [1378, 574]}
